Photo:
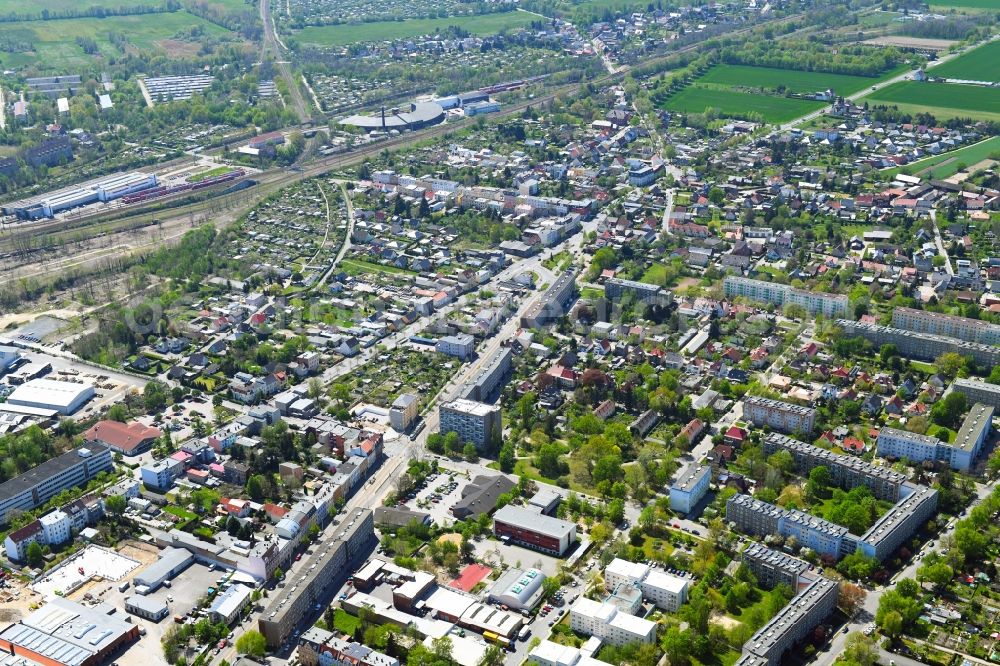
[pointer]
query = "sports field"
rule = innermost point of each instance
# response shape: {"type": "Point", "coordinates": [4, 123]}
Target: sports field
{"type": "Point", "coordinates": [979, 64]}
{"type": "Point", "coordinates": [344, 34]}
{"type": "Point", "coordinates": [943, 100]}
{"type": "Point", "coordinates": [772, 108]}
{"type": "Point", "coordinates": [793, 80]}
{"type": "Point", "coordinates": [948, 164]}
{"type": "Point", "coordinates": [54, 42]}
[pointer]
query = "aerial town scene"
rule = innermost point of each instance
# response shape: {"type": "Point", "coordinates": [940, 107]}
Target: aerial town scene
{"type": "Point", "coordinates": [499, 333]}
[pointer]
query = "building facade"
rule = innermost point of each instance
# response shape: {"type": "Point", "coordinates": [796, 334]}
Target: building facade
{"type": "Point", "coordinates": [534, 530]}
{"type": "Point", "coordinates": [921, 346]}
{"type": "Point", "coordinates": [937, 323]}
{"type": "Point", "coordinates": [38, 485]}
{"type": "Point", "coordinates": [475, 422]}
{"type": "Point", "coordinates": [778, 415]}
{"type": "Point", "coordinates": [690, 486]}
{"type": "Point", "coordinates": [780, 295]}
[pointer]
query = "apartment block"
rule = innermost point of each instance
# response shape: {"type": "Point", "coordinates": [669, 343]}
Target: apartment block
{"type": "Point", "coordinates": [936, 323]}
{"type": "Point", "coordinates": [761, 519]}
{"type": "Point", "coordinates": [650, 294]}
{"type": "Point", "coordinates": [960, 455]}
{"type": "Point", "coordinates": [978, 391]}
{"type": "Point", "coordinates": [40, 484]}
{"type": "Point", "coordinates": [404, 412]}
{"type": "Point", "coordinates": [662, 589]}
{"type": "Point", "coordinates": [608, 623]}
{"type": "Point", "coordinates": [772, 568]}
{"type": "Point", "coordinates": [474, 422]}
{"type": "Point", "coordinates": [778, 415]}
{"type": "Point", "coordinates": [690, 486]}
{"type": "Point", "coordinates": [553, 304]}
{"type": "Point", "coordinates": [780, 295]}
{"type": "Point", "coordinates": [792, 623]}
{"type": "Point", "coordinates": [845, 471]}
{"type": "Point", "coordinates": [891, 530]}
{"type": "Point", "coordinates": [921, 346]}
{"type": "Point", "coordinates": [491, 377]}
{"type": "Point", "coordinates": [460, 346]}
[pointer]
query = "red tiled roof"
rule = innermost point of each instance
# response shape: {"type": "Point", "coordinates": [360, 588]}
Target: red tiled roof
{"type": "Point", "coordinates": [123, 436]}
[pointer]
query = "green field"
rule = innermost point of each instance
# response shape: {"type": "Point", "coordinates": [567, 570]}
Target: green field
{"type": "Point", "coordinates": [55, 47]}
{"type": "Point", "coordinates": [793, 80]}
{"type": "Point", "coordinates": [967, 4]}
{"type": "Point", "coordinates": [56, 7]}
{"type": "Point", "coordinates": [344, 34]}
{"type": "Point", "coordinates": [357, 267]}
{"type": "Point", "coordinates": [943, 100]}
{"type": "Point", "coordinates": [943, 166]}
{"type": "Point", "coordinates": [773, 109]}
{"type": "Point", "coordinates": [979, 64]}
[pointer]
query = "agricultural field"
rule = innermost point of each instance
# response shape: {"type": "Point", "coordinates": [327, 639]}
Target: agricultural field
{"type": "Point", "coordinates": [948, 164]}
{"type": "Point", "coordinates": [344, 34]}
{"type": "Point", "coordinates": [57, 7]}
{"type": "Point", "coordinates": [979, 64]}
{"type": "Point", "coordinates": [991, 5]}
{"type": "Point", "coordinates": [771, 78]}
{"type": "Point", "coordinates": [772, 108]}
{"type": "Point", "coordinates": [943, 100]}
{"type": "Point", "coordinates": [53, 44]}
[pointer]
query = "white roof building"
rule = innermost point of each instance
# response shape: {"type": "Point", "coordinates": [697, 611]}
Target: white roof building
{"type": "Point", "coordinates": [63, 397]}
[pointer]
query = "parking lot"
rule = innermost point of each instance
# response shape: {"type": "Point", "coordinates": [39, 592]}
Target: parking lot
{"type": "Point", "coordinates": [438, 495]}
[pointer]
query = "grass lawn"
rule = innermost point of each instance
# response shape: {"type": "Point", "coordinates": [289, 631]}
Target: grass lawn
{"type": "Point", "coordinates": [979, 64]}
{"type": "Point", "coordinates": [655, 274]}
{"type": "Point", "coordinates": [341, 35]}
{"type": "Point", "coordinates": [181, 513]}
{"type": "Point", "coordinates": [656, 548]}
{"type": "Point", "coordinates": [55, 46]}
{"type": "Point", "coordinates": [727, 658]}
{"type": "Point", "coordinates": [943, 100]}
{"type": "Point", "coordinates": [357, 266]}
{"type": "Point", "coordinates": [217, 171]}
{"type": "Point", "coordinates": [967, 4]}
{"type": "Point", "coordinates": [942, 166]}
{"type": "Point", "coordinates": [879, 18]}
{"type": "Point", "coordinates": [793, 80]}
{"type": "Point", "coordinates": [591, 293]}
{"type": "Point", "coordinates": [344, 622]}
{"type": "Point", "coordinates": [773, 109]}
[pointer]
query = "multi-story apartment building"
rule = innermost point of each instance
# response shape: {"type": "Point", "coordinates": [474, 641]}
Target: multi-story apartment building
{"type": "Point", "coordinates": [553, 304]}
{"type": "Point", "coordinates": [404, 412]}
{"type": "Point", "coordinates": [326, 569]}
{"type": "Point", "coordinates": [610, 624]}
{"type": "Point", "coordinates": [895, 526]}
{"type": "Point", "coordinates": [921, 346]}
{"type": "Point", "coordinates": [475, 422]}
{"type": "Point", "coordinates": [778, 415]}
{"type": "Point", "coordinates": [960, 455]}
{"type": "Point", "coordinates": [690, 486]}
{"type": "Point", "coordinates": [461, 345]}
{"type": "Point", "coordinates": [814, 302]}
{"type": "Point", "coordinates": [650, 294]}
{"type": "Point", "coordinates": [792, 623]}
{"type": "Point", "coordinates": [662, 589]}
{"type": "Point", "coordinates": [978, 391]}
{"type": "Point", "coordinates": [772, 568]}
{"type": "Point", "coordinates": [491, 377]}
{"type": "Point", "coordinates": [845, 471]}
{"type": "Point", "coordinates": [936, 323]}
{"type": "Point", "coordinates": [40, 484]}
{"type": "Point", "coordinates": [318, 647]}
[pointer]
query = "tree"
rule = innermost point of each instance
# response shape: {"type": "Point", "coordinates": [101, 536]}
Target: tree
{"type": "Point", "coordinates": [441, 647]}
{"type": "Point", "coordinates": [850, 597]}
{"type": "Point", "coordinates": [937, 573]}
{"type": "Point", "coordinates": [949, 364]}
{"type": "Point", "coordinates": [677, 647]}
{"type": "Point", "coordinates": [506, 457]}
{"type": "Point", "coordinates": [470, 452]}
{"type": "Point", "coordinates": [891, 624]}
{"type": "Point", "coordinates": [34, 554]}
{"type": "Point", "coordinates": [118, 412]}
{"type": "Point", "coordinates": [253, 643]}
{"type": "Point", "coordinates": [861, 650]}
{"type": "Point", "coordinates": [492, 657]}
{"type": "Point", "coordinates": [949, 410]}
{"type": "Point", "coordinates": [255, 487]}
{"type": "Point", "coordinates": [115, 505]}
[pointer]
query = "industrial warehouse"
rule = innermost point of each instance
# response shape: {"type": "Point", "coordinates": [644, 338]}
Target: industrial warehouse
{"type": "Point", "coordinates": [99, 190]}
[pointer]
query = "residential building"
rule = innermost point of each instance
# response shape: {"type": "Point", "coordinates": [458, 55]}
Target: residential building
{"type": "Point", "coordinates": [40, 484]}
{"type": "Point", "coordinates": [489, 379]}
{"type": "Point", "coordinates": [128, 439]}
{"type": "Point", "coordinates": [158, 475]}
{"type": "Point", "coordinates": [664, 590]}
{"type": "Point", "coordinates": [56, 527]}
{"type": "Point", "coordinates": [650, 294]}
{"type": "Point", "coordinates": [17, 542]}
{"type": "Point", "coordinates": [690, 486]}
{"type": "Point", "coordinates": [778, 415]}
{"type": "Point", "coordinates": [475, 422]}
{"type": "Point", "coordinates": [534, 530]}
{"type": "Point", "coordinates": [960, 455]}
{"type": "Point", "coordinates": [829, 305]}
{"type": "Point", "coordinates": [803, 613]}
{"type": "Point", "coordinates": [845, 471]}
{"type": "Point", "coordinates": [920, 346]}
{"type": "Point", "coordinates": [553, 304]}
{"type": "Point", "coordinates": [607, 622]}
{"type": "Point", "coordinates": [404, 411]}
{"type": "Point", "coordinates": [937, 323]}
{"type": "Point", "coordinates": [772, 568]}
{"type": "Point", "coordinates": [978, 391]}
{"type": "Point", "coordinates": [318, 647]}
{"type": "Point", "coordinates": [324, 572]}
{"type": "Point", "coordinates": [461, 346]}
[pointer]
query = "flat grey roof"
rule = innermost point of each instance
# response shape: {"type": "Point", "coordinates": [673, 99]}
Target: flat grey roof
{"type": "Point", "coordinates": [48, 469]}
{"type": "Point", "coordinates": [535, 522]}
{"type": "Point", "coordinates": [980, 418]}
